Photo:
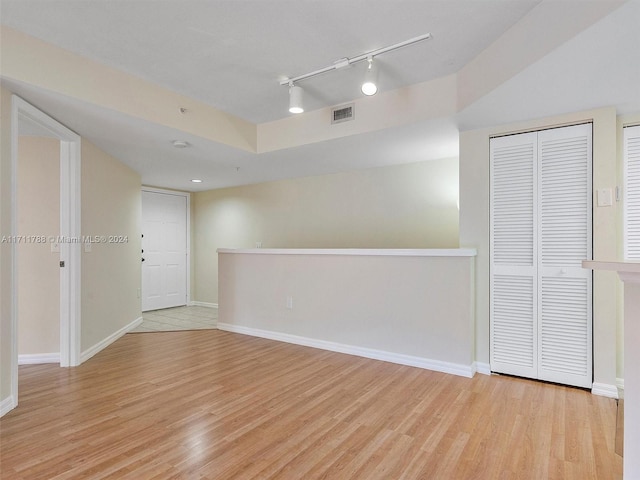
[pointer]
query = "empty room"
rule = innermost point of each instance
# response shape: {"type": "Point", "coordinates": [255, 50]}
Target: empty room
{"type": "Point", "coordinates": [357, 239]}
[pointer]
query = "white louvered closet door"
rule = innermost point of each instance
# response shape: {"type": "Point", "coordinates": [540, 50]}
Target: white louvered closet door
{"type": "Point", "coordinates": [632, 193]}
{"type": "Point", "coordinates": [559, 347]}
{"type": "Point", "coordinates": [564, 300]}
{"type": "Point", "coordinates": [514, 344]}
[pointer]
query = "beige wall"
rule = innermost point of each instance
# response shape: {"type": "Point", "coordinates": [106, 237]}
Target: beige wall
{"type": "Point", "coordinates": [5, 248]}
{"type": "Point", "coordinates": [111, 205]}
{"type": "Point", "coordinates": [38, 204]}
{"type": "Point", "coordinates": [474, 227]}
{"type": "Point", "coordinates": [416, 310]}
{"type": "Point", "coordinates": [407, 206]}
{"type": "Point", "coordinates": [430, 100]}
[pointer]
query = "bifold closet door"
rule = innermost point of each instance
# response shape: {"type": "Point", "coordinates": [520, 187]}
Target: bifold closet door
{"type": "Point", "coordinates": [541, 201]}
{"type": "Point", "coordinates": [514, 238]}
{"type": "Point", "coordinates": [631, 193]}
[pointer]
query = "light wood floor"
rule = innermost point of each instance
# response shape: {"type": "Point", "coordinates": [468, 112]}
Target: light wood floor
{"type": "Point", "coordinates": [217, 405]}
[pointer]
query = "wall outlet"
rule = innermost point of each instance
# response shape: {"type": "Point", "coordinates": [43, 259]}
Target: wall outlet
{"type": "Point", "coordinates": [258, 244]}
{"type": "Point", "coordinates": [290, 302]}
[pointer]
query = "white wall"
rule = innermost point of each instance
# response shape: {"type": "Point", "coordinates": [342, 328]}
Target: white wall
{"type": "Point", "coordinates": [38, 197]}
{"type": "Point", "coordinates": [407, 206]}
{"type": "Point", "coordinates": [474, 227]}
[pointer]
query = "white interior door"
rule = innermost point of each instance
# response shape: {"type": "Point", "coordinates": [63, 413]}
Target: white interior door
{"type": "Point", "coordinates": [541, 204]}
{"type": "Point", "coordinates": [164, 250]}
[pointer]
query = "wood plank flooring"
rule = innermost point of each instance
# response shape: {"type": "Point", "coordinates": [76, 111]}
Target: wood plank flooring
{"type": "Point", "coordinates": [216, 405]}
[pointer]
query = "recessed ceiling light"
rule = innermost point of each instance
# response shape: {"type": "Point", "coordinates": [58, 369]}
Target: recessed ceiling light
{"type": "Point", "coordinates": [180, 143]}
{"type": "Point", "coordinates": [196, 180]}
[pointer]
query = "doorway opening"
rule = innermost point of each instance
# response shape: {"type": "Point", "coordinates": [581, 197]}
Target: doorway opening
{"type": "Point", "coordinates": [38, 221]}
{"type": "Point", "coordinates": [25, 115]}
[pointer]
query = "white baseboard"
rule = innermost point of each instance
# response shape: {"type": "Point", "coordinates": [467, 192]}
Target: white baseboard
{"type": "Point", "coordinates": [7, 405]}
{"type": "Point", "coordinates": [37, 358]}
{"type": "Point", "coordinates": [604, 390]}
{"type": "Point", "coordinates": [483, 368]}
{"type": "Point", "coordinates": [101, 345]}
{"type": "Point", "coordinates": [410, 360]}
{"type": "Point", "coordinates": [203, 304]}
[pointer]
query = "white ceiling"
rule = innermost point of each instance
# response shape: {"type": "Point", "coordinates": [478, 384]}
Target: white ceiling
{"type": "Point", "coordinates": [232, 54]}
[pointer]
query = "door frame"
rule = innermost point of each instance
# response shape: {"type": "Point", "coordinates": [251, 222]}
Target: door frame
{"type": "Point", "coordinates": [70, 253]}
{"type": "Point", "coordinates": [187, 196]}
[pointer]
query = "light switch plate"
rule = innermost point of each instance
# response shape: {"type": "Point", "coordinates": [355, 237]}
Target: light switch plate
{"type": "Point", "coordinates": [605, 197]}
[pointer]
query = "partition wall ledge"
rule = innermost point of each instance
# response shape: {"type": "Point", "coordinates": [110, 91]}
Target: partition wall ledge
{"type": "Point", "coordinates": [394, 252]}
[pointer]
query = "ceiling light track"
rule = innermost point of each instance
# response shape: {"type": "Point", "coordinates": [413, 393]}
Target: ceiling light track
{"type": "Point", "coordinates": [344, 62]}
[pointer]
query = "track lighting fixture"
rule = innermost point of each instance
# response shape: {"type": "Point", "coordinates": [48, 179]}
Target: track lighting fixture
{"type": "Point", "coordinates": [369, 87]}
{"type": "Point", "coordinates": [295, 98]}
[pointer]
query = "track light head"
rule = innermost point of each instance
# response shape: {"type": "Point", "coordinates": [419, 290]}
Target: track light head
{"type": "Point", "coordinates": [369, 86]}
{"type": "Point", "coordinates": [295, 98]}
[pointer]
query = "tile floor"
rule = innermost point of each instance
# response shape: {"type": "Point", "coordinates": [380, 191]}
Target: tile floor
{"type": "Point", "coordinates": [178, 318]}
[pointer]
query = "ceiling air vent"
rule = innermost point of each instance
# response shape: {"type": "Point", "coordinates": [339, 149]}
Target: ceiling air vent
{"type": "Point", "coordinates": [344, 113]}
